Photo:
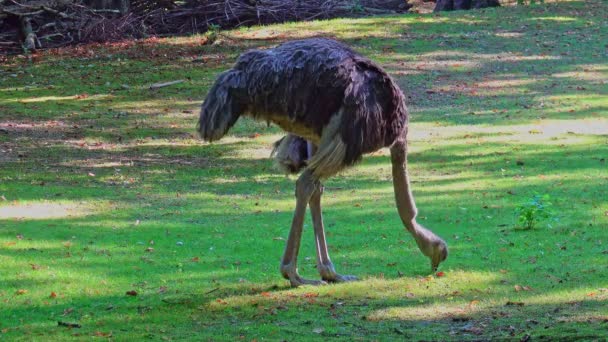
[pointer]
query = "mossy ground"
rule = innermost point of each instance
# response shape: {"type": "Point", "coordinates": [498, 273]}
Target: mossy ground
{"type": "Point", "coordinates": [106, 189]}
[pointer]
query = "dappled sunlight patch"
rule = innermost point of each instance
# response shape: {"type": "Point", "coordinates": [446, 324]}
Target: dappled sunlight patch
{"type": "Point", "coordinates": [459, 62]}
{"type": "Point", "coordinates": [510, 34]}
{"type": "Point", "coordinates": [500, 87]}
{"type": "Point", "coordinates": [436, 311]}
{"type": "Point", "coordinates": [100, 144]}
{"type": "Point", "coordinates": [574, 102]}
{"type": "Point", "coordinates": [29, 124]}
{"type": "Point", "coordinates": [97, 163]}
{"type": "Point", "coordinates": [506, 83]}
{"type": "Point", "coordinates": [45, 210]}
{"type": "Point", "coordinates": [460, 307]}
{"type": "Point", "coordinates": [553, 132]}
{"type": "Point", "coordinates": [571, 131]}
{"type": "Point", "coordinates": [414, 290]}
{"type": "Point", "coordinates": [154, 106]}
{"type": "Point", "coordinates": [79, 97]}
{"type": "Point", "coordinates": [453, 65]}
{"type": "Point", "coordinates": [489, 57]}
{"type": "Point", "coordinates": [596, 73]}
{"type": "Point", "coordinates": [133, 160]}
{"type": "Point", "coordinates": [269, 34]}
{"type": "Point", "coordinates": [439, 19]}
{"type": "Point", "coordinates": [227, 180]}
{"type": "Point", "coordinates": [554, 18]}
{"type": "Point", "coordinates": [255, 153]}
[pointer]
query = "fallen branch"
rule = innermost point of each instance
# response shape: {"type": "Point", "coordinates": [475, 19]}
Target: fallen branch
{"type": "Point", "coordinates": [69, 325]}
{"type": "Point", "coordinates": [56, 12]}
{"type": "Point", "coordinates": [215, 289]}
{"type": "Point", "coordinates": [164, 84]}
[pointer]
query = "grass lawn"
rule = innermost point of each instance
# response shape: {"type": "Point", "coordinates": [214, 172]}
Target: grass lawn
{"type": "Point", "coordinates": [115, 217]}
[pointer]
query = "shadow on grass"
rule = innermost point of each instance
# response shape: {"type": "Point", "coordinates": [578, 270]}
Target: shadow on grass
{"type": "Point", "coordinates": [376, 306]}
{"type": "Point", "coordinates": [231, 212]}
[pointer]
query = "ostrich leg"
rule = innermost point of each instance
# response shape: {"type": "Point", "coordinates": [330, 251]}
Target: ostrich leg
{"type": "Point", "coordinates": [324, 264]}
{"type": "Point", "coordinates": [430, 244]}
{"type": "Point", "coordinates": [305, 187]}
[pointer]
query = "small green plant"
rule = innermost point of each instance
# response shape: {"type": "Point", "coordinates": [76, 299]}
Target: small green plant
{"type": "Point", "coordinates": [213, 31]}
{"type": "Point", "coordinates": [531, 213]}
{"type": "Point", "coordinates": [357, 7]}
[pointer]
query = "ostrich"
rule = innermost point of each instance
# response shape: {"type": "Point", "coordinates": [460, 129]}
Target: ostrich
{"type": "Point", "coordinates": [336, 106]}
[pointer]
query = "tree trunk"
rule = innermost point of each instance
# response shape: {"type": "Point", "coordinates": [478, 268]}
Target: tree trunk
{"type": "Point", "coordinates": [451, 5]}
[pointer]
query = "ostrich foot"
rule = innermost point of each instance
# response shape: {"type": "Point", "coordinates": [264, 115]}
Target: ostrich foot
{"type": "Point", "coordinates": [296, 281]}
{"type": "Point", "coordinates": [328, 273]}
{"type": "Point", "coordinates": [291, 274]}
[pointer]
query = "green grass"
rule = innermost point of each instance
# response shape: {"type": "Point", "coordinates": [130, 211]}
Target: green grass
{"type": "Point", "coordinates": [107, 190]}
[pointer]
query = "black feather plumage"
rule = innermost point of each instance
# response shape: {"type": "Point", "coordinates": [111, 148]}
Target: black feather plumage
{"type": "Point", "coordinates": [302, 86]}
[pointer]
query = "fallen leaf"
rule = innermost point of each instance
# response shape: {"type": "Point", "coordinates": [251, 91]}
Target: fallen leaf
{"type": "Point", "coordinates": [440, 274]}
{"type": "Point", "coordinates": [266, 294]}
{"type": "Point", "coordinates": [318, 330]}
{"type": "Point", "coordinates": [21, 292]}
{"type": "Point", "coordinates": [131, 293]}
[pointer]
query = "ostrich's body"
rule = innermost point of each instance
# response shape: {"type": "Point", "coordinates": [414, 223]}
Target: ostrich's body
{"type": "Point", "coordinates": [343, 104]}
